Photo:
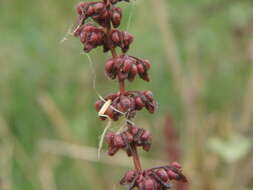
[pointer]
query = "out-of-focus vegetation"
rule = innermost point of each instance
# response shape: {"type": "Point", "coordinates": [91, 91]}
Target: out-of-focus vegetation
{"type": "Point", "coordinates": [202, 77]}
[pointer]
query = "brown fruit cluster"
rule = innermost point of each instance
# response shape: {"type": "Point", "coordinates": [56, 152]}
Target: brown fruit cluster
{"type": "Point", "coordinates": [127, 103]}
{"type": "Point", "coordinates": [98, 12]}
{"type": "Point", "coordinates": [121, 39]}
{"type": "Point", "coordinates": [127, 67]}
{"type": "Point", "coordinates": [91, 36]}
{"type": "Point", "coordinates": [153, 179]}
{"type": "Point", "coordinates": [134, 136]}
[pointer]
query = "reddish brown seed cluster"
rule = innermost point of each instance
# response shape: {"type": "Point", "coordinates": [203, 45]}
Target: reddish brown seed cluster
{"type": "Point", "coordinates": [127, 104]}
{"type": "Point", "coordinates": [153, 179]}
{"type": "Point", "coordinates": [121, 39]}
{"type": "Point", "coordinates": [126, 140]}
{"type": "Point", "coordinates": [98, 12]}
{"type": "Point", "coordinates": [127, 67]}
{"type": "Point", "coordinates": [90, 36]}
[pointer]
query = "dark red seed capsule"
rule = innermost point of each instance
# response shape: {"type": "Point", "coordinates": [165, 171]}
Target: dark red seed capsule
{"type": "Point", "coordinates": [127, 65]}
{"type": "Point", "coordinates": [122, 76]}
{"type": "Point", "coordinates": [116, 18]}
{"type": "Point", "coordinates": [139, 103]}
{"type": "Point", "coordinates": [149, 184]}
{"type": "Point", "coordinates": [125, 103]}
{"type": "Point", "coordinates": [134, 130]}
{"type": "Point", "coordinates": [116, 37]}
{"type": "Point", "coordinates": [98, 105]}
{"type": "Point", "coordinates": [130, 176]}
{"type": "Point", "coordinates": [147, 64]}
{"type": "Point", "coordinates": [109, 66]}
{"type": "Point", "coordinates": [109, 112]}
{"type": "Point", "coordinates": [146, 147]}
{"type": "Point", "coordinates": [129, 137]}
{"type": "Point", "coordinates": [128, 37]}
{"type": "Point", "coordinates": [150, 107]}
{"type": "Point", "coordinates": [90, 11]}
{"type": "Point", "coordinates": [149, 95]}
{"type": "Point", "coordinates": [172, 175]}
{"type": "Point", "coordinates": [163, 175]}
{"type": "Point", "coordinates": [109, 138]}
{"type": "Point", "coordinates": [141, 185]}
{"type": "Point", "coordinates": [98, 7]}
{"type": "Point", "coordinates": [176, 165]}
{"type": "Point", "coordinates": [146, 135]}
{"type": "Point", "coordinates": [134, 70]}
{"type": "Point", "coordinates": [112, 150]}
{"type": "Point", "coordinates": [118, 141]}
{"type": "Point", "coordinates": [140, 68]}
{"type": "Point", "coordinates": [80, 7]}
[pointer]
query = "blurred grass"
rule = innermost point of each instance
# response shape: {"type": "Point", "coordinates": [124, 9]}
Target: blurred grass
{"type": "Point", "coordinates": [46, 91]}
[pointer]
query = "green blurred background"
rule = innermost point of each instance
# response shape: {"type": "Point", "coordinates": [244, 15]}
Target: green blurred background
{"type": "Point", "coordinates": [202, 77]}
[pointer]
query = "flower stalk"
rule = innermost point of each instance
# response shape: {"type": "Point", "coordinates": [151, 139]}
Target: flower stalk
{"type": "Point", "coordinates": [103, 32]}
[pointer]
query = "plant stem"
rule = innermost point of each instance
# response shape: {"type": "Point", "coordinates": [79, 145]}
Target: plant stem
{"type": "Point", "coordinates": [136, 158]}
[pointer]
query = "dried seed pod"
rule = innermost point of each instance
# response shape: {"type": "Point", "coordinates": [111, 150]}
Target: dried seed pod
{"type": "Point", "coordinates": [139, 103]}
{"type": "Point", "coordinates": [125, 103]}
{"type": "Point", "coordinates": [109, 112]}
{"type": "Point", "coordinates": [99, 7]}
{"type": "Point", "coordinates": [109, 66]}
{"type": "Point", "coordinates": [147, 64]}
{"type": "Point", "coordinates": [127, 65]}
{"type": "Point", "coordinates": [141, 69]}
{"type": "Point", "coordinates": [113, 150]}
{"type": "Point", "coordinates": [163, 175]}
{"type": "Point", "coordinates": [145, 136]}
{"type": "Point", "coordinates": [118, 141]}
{"type": "Point", "coordinates": [149, 184]}
{"type": "Point", "coordinates": [109, 138]}
{"type": "Point", "coordinates": [146, 147]}
{"type": "Point", "coordinates": [116, 15]}
{"type": "Point", "coordinates": [80, 7]}
{"type": "Point", "coordinates": [176, 165]}
{"type": "Point", "coordinates": [149, 95]}
{"type": "Point", "coordinates": [172, 175]}
{"type": "Point", "coordinates": [98, 105]}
